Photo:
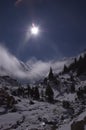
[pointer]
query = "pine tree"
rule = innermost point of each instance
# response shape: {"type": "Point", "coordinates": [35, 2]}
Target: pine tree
{"type": "Point", "coordinates": [72, 88]}
{"type": "Point", "coordinates": [65, 69]}
{"type": "Point", "coordinates": [20, 91]}
{"type": "Point", "coordinates": [45, 81]}
{"type": "Point", "coordinates": [51, 76]}
{"type": "Point", "coordinates": [75, 61]}
{"type": "Point", "coordinates": [36, 93]}
{"type": "Point", "coordinates": [28, 90]}
{"type": "Point", "coordinates": [80, 66]}
{"type": "Point", "coordinates": [49, 93]}
{"type": "Point", "coordinates": [32, 92]}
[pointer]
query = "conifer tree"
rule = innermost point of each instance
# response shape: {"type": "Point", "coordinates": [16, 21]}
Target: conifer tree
{"type": "Point", "coordinates": [51, 76]}
{"type": "Point", "coordinates": [49, 93]}
{"type": "Point", "coordinates": [72, 88]}
{"type": "Point", "coordinates": [28, 90]}
{"type": "Point", "coordinates": [65, 69]}
{"type": "Point", "coordinates": [36, 93]}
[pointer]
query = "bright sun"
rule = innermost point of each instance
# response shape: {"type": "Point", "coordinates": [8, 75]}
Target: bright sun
{"type": "Point", "coordinates": [34, 30]}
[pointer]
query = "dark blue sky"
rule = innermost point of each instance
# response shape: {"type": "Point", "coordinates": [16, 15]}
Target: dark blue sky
{"type": "Point", "coordinates": [62, 22]}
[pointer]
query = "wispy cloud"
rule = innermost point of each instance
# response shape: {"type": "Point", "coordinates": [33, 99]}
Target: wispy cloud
{"type": "Point", "coordinates": [33, 69]}
{"type": "Point", "coordinates": [39, 68]}
{"type": "Point", "coordinates": [18, 2]}
{"type": "Point", "coordinates": [9, 64]}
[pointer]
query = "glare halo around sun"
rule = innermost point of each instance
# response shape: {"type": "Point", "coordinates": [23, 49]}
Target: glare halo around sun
{"type": "Point", "coordinates": [34, 30]}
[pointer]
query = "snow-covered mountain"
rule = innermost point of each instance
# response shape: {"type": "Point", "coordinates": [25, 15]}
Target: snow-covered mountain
{"type": "Point", "coordinates": [57, 102]}
{"type": "Point", "coordinates": [22, 112]}
{"type": "Point", "coordinates": [33, 69]}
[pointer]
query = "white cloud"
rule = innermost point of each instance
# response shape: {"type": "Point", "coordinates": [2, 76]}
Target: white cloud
{"type": "Point", "coordinates": [39, 68]}
{"type": "Point", "coordinates": [9, 64]}
{"type": "Point", "coordinates": [33, 69]}
{"type": "Point", "coordinates": [17, 2]}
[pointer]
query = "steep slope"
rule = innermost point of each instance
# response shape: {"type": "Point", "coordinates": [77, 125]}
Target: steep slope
{"type": "Point", "coordinates": [78, 65]}
{"type": "Point", "coordinates": [41, 114]}
{"type": "Point", "coordinates": [8, 81]}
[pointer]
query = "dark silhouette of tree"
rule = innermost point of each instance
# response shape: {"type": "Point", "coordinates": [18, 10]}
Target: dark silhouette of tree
{"type": "Point", "coordinates": [45, 81]}
{"type": "Point", "coordinates": [81, 65]}
{"type": "Point", "coordinates": [20, 91]}
{"type": "Point", "coordinates": [10, 101]}
{"type": "Point", "coordinates": [36, 93]}
{"type": "Point", "coordinates": [71, 77]}
{"type": "Point", "coordinates": [75, 61]}
{"type": "Point", "coordinates": [66, 104]}
{"type": "Point", "coordinates": [28, 90]}
{"type": "Point", "coordinates": [78, 65]}
{"type": "Point", "coordinates": [85, 89]}
{"type": "Point", "coordinates": [72, 88]}
{"type": "Point", "coordinates": [80, 93]}
{"type": "Point", "coordinates": [49, 93]}
{"type": "Point", "coordinates": [65, 70]}
{"type": "Point", "coordinates": [32, 92]}
{"type": "Point", "coordinates": [51, 76]}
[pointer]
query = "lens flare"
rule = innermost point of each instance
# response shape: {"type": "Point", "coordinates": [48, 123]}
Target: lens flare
{"type": "Point", "coordinates": [34, 30]}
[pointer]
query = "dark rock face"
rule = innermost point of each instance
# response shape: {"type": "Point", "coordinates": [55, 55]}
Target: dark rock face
{"type": "Point", "coordinates": [8, 80]}
{"type": "Point", "coordinates": [79, 125]}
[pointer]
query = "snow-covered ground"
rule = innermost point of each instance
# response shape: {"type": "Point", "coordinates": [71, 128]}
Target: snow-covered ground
{"type": "Point", "coordinates": [31, 114]}
{"type": "Point", "coordinates": [40, 116]}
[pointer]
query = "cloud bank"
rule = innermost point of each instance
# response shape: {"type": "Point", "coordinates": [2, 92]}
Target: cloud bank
{"type": "Point", "coordinates": [33, 69]}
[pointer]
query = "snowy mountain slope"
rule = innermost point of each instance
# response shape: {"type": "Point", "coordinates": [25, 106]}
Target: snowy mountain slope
{"type": "Point", "coordinates": [22, 108]}
{"type": "Point", "coordinates": [38, 116]}
{"type": "Point", "coordinates": [78, 123]}
{"type": "Point", "coordinates": [8, 81]}
{"type": "Point", "coordinates": [33, 69]}
{"type": "Point", "coordinates": [77, 66]}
